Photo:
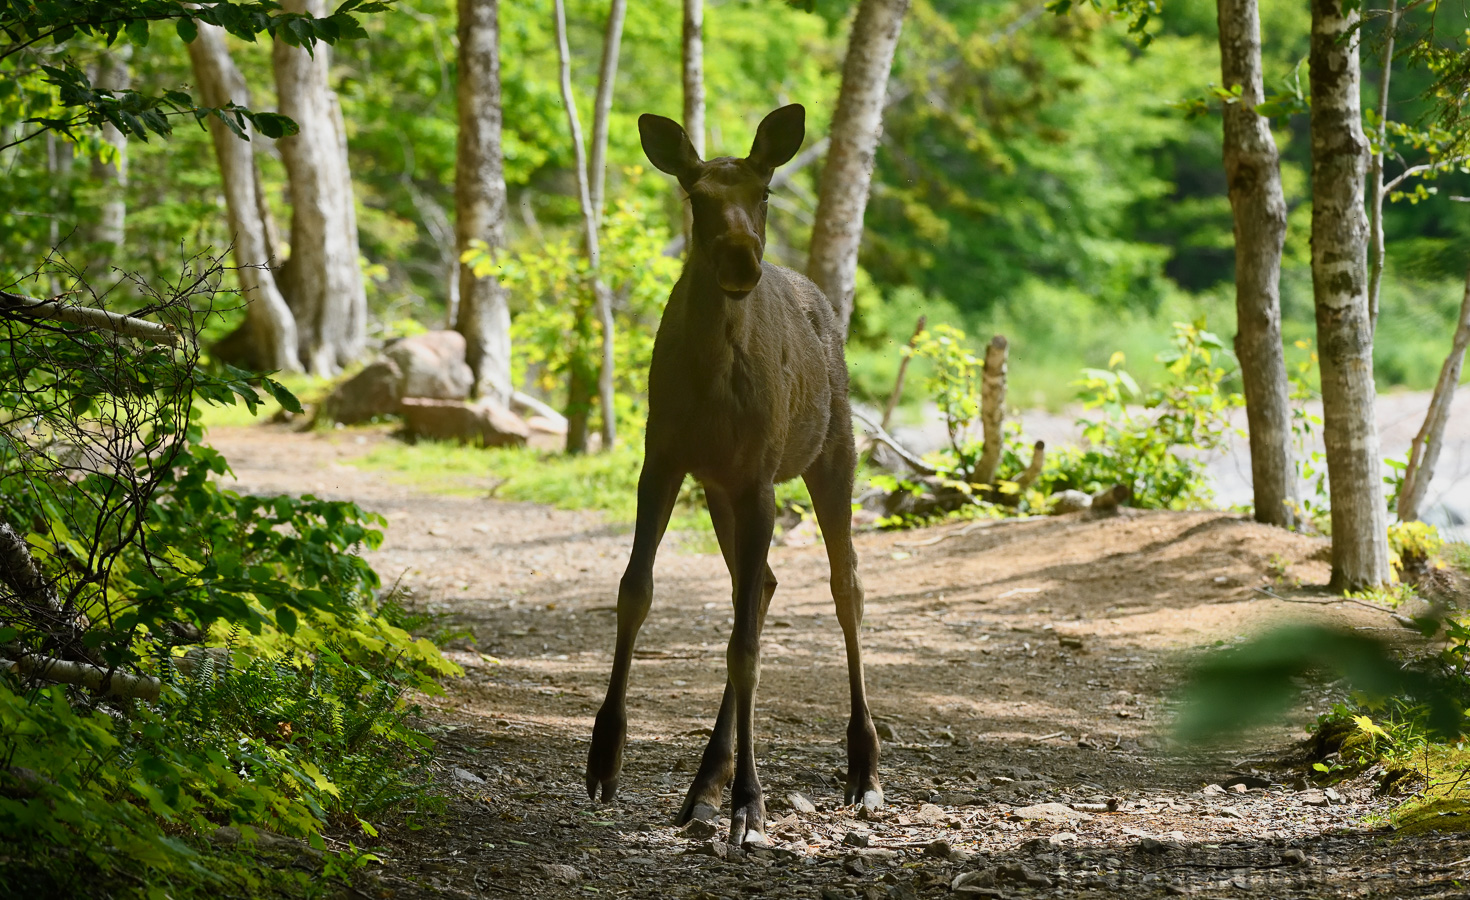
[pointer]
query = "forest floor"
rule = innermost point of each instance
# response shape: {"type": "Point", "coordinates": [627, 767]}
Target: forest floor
{"type": "Point", "coordinates": [1021, 676]}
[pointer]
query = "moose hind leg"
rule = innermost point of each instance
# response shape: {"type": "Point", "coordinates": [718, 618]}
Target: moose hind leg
{"type": "Point", "coordinates": [717, 766]}
{"type": "Point", "coordinates": [657, 489]}
{"type": "Point", "coordinates": [829, 482]}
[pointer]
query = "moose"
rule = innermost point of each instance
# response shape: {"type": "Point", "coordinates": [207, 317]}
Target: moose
{"type": "Point", "coordinates": [747, 388]}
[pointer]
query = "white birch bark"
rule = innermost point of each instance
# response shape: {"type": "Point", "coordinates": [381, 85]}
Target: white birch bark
{"type": "Point", "coordinates": [691, 55]}
{"type": "Point", "coordinates": [1253, 172]}
{"type": "Point", "coordinates": [1340, 291]}
{"type": "Point", "coordinates": [483, 316]}
{"type": "Point", "coordinates": [856, 127]}
{"type": "Point", "coordinates": [268, 339]}
{"type": "Point", "coordinates": [322, 279]}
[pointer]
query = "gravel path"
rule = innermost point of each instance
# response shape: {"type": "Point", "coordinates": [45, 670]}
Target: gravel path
{"type": "Point", "coordinates": [1021, 675]}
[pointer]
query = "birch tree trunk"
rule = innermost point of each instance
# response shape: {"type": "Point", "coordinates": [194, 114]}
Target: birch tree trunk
{"type": "Point", "coordinates": [1253, 171]}
{"type": "Point", "coordinates": [1340, 291]}
{"type": "Point", "coordinates": [692, 60]}
{"type": "Point", "coordinates": [1424, 452]}
{"type": "Point", "coordinates": [321, 280]}
{"type": "Point", "coordinates": [107, 233]}
{"type": "Point", "coordinates": [580, 381]}
{"type": "Point", "coordinates": [483, 316]}
{"type": "Point", "coordinates": [856, 127]}
{"type": "Point", "coordinates": [268, 338]}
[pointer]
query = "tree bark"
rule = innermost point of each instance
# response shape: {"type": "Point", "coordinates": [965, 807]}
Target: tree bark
{"type": "Point", "coordinates": [992, 411]}
{"type": "Point", "coordinates": [1375, 171]}
{"type": "Point", "coordinates": [108, 232]}
{"type": "Point", "coordinates": [483, 316]}
{"type": "Point", "coordinates": [1424, 452]}
{"type": "Point", "coordinates": [268, 339]}
{"type": "Point", "coordinates": [847, 176]}
{"type": "Point", "coordinates": [579, 389]}
{"type": "Point", "coordinates": [692, 60]}
{"type": "Point", "coordinates": [1340, 291]}
{"type": "Point", "coordinates": [322, 280]}
{"type": "Point", "coordinates": [1253, 171]}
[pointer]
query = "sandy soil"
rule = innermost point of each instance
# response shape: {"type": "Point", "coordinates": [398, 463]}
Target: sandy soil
{"type": "Point", "coordinates": [1023, 664]}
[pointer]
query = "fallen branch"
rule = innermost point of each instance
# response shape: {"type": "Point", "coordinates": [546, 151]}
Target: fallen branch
{"type": "Point", "coordinates": [977, 525]}
{"type": "Point", "coordinates": [1401, 619]}
{"type": "Point", "coordinates": [19, 573]}
{"type": "Point", "coordinates": [880, 434]}
{"type": "Point", "coordinates": [86, 316]}
{"type": "Point", "coordinates": [105, 682]}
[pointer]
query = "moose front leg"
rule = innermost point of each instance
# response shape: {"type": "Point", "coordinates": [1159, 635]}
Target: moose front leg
{"type": "Point", "coordinates": [755, 519]}
{"type": "Point", "coordinates": [717, 766]}
{"type": "Point", "coordinates": [658, 487]}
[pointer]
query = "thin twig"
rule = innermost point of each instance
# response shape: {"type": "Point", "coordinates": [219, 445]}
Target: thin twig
{"type": "Point", "coordinates": [880, 434]}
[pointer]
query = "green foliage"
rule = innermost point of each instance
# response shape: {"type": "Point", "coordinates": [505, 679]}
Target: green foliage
{"type": "Point", "coordinates": [74, 103]}
{"type": "Point", "coordinates": [291, 716]}
{"type": "Point", "coordinates": [1243, 686]}
{"type": "Point", "coordinates": [954, 386]}
{"type": "Point", "coordinates": [551, 290]}
{"type": "Point", "coordinates": [1152, 441]}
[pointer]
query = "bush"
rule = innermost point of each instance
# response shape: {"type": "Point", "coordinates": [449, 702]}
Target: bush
{"type": "Point", "coordinates": [121, 549]}
{"type": "Point", "coordinates": [1153, 441]}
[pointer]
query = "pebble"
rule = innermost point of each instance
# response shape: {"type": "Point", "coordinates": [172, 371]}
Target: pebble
{"type": "Point", "coordinates": [467, 775]}
{"type": "Point", "coordinates": [801, 804]}
{"type": "Point", "coordinates": [1212, 789]}
{"type": "Point", "coordinates": [699, 830]}
{"type": "Point", "coordinates": [1050, 812]}
{"type": "Point", "coordinates": [856, 839]}
{"type": "Point", "coordinates": [560, 872]}
{"type": "Point", "coordinates": [941, 849]}
{"type": "Point", "coordinates": [1294, 857]}
{"type": "Point", "coordinates": [1312, 798]}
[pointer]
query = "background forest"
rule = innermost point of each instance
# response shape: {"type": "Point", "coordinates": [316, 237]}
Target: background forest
{"type": "Point", "coordinates": [1035, 169]}
{"type": "Point", "coordinates": [190, 673]}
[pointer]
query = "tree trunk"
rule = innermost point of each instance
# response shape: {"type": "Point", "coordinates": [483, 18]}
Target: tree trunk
{"type": "Point", "coordinates": [692, 58]}
{"type": "Point", "coordinates": [483, 316]}
{"type": "Point", "coordinates": [856, 126]}
{"type": "Point", "coordinates": [322, 279]}
{"type": "Point", "coordinates": [579, 389]}
{"type": "Point", "coordinates": [1424, 452]}
{"type": "Point", "coordinates": [1375, 171]}
{"type": "Point", "coordinates": [268, 339]}
{"type": "Point", "coordinates": [1340, 289]}
{"type": "Point", "coordinates": [107, 233]}
{"type": "Point", "coordinates": [992, 411]}
{"type": "Point", "coordinates": [1252, 169]}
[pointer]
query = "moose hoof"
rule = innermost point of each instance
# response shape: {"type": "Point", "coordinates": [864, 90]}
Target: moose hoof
{"type": "Point", "coordinates": [693, 811]}
{"type": "Point", "coordinates": [870, 798]}
{"type": "Point", "coordinates": [747, 826]}
{"type": "Point", "coordinates": [608, 786]}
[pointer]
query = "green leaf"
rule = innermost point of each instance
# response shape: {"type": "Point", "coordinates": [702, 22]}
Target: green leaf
{"type": "Point", "coordinates": [137, 30]}
{"type": "Point", "coordinates": [283, 396]}
{"type": "Point", "coordinates": [286, 619]}
{"type": "Point", "coordinates": [188, 29]}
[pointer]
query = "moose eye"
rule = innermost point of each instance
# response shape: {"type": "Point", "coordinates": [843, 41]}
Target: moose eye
{"type": "Point", "coordinates": [766, 195]}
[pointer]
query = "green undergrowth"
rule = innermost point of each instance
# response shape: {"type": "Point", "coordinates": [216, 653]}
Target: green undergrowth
{"type": "Point", "coordinates": [602, 482]}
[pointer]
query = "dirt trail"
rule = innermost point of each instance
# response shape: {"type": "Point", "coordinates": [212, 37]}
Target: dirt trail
{"type": "Point", "coordinates": [1010, 666]}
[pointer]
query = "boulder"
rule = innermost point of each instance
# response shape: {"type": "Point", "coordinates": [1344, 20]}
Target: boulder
{"type": "Point", "coordinates": [375, 391]}
{"type": "Point", "coordinates": [484, 422]}
{"type": "Point", "coordinates": [433, 365]}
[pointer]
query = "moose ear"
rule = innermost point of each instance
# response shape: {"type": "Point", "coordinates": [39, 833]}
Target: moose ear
{"type": "Point", "coordinates": [778, 138]}
{"type": "Point", "coordinates": [668, 147]}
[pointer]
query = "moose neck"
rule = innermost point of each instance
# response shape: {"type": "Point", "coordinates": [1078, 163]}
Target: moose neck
{"type": "Point", "coordinates": [722, 316]}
